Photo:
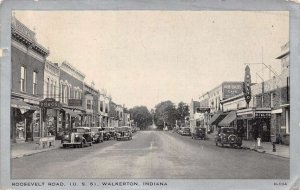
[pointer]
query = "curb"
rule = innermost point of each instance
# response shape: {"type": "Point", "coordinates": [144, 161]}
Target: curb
{"type": "Point", "coordinates": [264, 152]}
{"type": "Point", "coordinates": [31, 153]}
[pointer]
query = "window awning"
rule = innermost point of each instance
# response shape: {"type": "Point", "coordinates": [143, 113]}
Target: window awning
{"type": "Point", "coordinates": [217, 118]}
{"type": "Point", "coordinates": [20, 104]}
{"type": "Point", "coordinates": [228, 119]}
{"type": "Point", "coordinates": [70, 112]}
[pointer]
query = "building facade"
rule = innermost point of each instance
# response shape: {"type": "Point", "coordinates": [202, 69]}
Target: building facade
{"type": "Point", "coordinates": [90, 104]}
{"type": "Point", "coordinates": [71, 82]}
{"type": "Point", "coordinates": [210, 106]}
{"type": "Point", "coordinates": [268, 114]}
{"type": "Point", "coordinates": [28, 59]}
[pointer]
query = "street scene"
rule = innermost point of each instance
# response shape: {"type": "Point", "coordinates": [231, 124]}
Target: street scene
{"type": "Point", "coordinates": [150, 95]}
{"type": "Point", "coordinates": [152, 154]}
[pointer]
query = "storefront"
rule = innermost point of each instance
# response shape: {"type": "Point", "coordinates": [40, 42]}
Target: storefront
{"type": "Point", "coordinates": [254, 123]}
{"type": "Point", "coordinates": [24, 121]}
{"type": "Point", "coordinates": [51, 117]}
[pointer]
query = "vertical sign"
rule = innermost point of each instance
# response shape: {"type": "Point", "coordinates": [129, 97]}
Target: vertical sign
{"type": "Point", "coordinates": [246, 86]}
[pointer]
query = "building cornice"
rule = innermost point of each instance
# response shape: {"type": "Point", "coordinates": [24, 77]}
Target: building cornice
{"type": "Point", "coordinates": [67, 67]}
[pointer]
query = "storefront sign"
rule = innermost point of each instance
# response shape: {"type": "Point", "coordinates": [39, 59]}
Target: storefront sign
{"type": "Point", "coordinates": [245, 116]}
{"type": "Point", "coordinates": [50, 103]}
{"type": "Point", "coordinates": [75, 102]}
{"type": "Point", "coordinates": [263, 115]}
{"type": "Point", "coordinates": [232, 89]}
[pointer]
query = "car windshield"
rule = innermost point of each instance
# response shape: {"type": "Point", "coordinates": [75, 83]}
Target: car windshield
{"type": "Point", "coordinates": [228, 130]}
{"type": "Point", "coordinates": [186, 129]}
{"type": "Point", "coordinates": [106, 129]}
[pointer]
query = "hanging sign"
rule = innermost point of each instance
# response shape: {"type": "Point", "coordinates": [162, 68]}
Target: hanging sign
{"type": "Point", "coordinates": [50, 103]}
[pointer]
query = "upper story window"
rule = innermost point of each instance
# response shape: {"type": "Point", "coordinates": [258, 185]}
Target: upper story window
{"type": "Point", "coordinates": [23, 79]}
{"type": "Point", "coordinates": [101, 106]}
{"type": "Point", "coordinates": [48, 86]}
{"type": "Point", "coordinates": [34, 83]}
{"type": "Point", "coordinates": [89, 104]}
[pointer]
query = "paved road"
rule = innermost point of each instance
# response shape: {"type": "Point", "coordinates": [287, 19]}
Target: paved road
{"type": "Point", "coordinates": [151, 154]}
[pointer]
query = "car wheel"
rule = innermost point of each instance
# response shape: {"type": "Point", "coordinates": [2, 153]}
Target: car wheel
{"type": "Point", "coordinates": [222, 145]}
{"type": "Point", "coordinates": [216, 143]}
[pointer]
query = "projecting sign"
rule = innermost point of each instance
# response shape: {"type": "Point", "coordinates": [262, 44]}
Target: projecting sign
{"type": "Point", "coordinates": [50, 103]}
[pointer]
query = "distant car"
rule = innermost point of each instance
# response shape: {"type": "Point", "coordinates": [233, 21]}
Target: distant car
{"type": "Point", "coordinates": [186, 131]}
{"type": "Point", "coordinates": [109, 133]}
{"type": "Point", "coordinates": [78, 137]}
{"type": "Point", "coordinates": [228, 136]}
{"type": "Point", "coordinates": [97, 134]}
{"type": "Point", "coordinates": [124, 132]}
{"type": "Point", "coordinates": [199, 133]}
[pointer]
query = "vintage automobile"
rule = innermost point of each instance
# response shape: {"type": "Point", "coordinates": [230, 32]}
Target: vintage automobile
{"type": "Point", "coordinates": [78, 137]}
{"type": "Point", "coordinates": [97, 134]}
{"type": "Point", "coordinates": [109, 133]}
{"type": "Point", "coordinates": [228, 136]}
{"type": "Point", "coordinates": [186, 131]}
{"type": "Point", "coordinates": [124, 132]}
{"type": "Point", "coordinates": [199, 133]}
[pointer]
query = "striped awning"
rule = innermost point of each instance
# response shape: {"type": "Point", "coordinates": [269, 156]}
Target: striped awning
{"type": "Point", "coordinates": [20, 104]}
{"type": "Point", "coordinates": [217, 118]}
{"type": "Point", "coordinates": [228, 119]}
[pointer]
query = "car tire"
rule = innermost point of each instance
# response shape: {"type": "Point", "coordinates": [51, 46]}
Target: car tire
{"type": "Point", "coordinates": [222, 145]}
{"type": "Point", "coordinates": [217, 144]}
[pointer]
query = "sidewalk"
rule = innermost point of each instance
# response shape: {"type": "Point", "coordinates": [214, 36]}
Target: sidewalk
{"type": "Point", "coordinates": [267, 147]}
{"type": "Point", "coordinates": [19, 150]}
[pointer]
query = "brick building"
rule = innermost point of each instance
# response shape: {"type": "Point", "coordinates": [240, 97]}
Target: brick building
{"type": "Point", "coordinates": [28, 59]}
{"type": "Point", "coordinates": [90, 104]}
{"type": "Point", "coordinates": [268, 113]}
{"type": "Point", "coordinates": [71, 82]}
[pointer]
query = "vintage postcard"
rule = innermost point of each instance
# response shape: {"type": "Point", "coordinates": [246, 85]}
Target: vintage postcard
{"type": "Point", "coordinates": [148, 95]}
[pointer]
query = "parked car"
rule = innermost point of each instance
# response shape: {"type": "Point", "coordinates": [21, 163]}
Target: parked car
{"type": "Point", "coordinates": [78, 137]}
{"type": "Point", "coordinates": [97, 134]}
{"type": "Point", "coordinates": [124, 132]}
{"type": "Point", "coordinates": [186, 131]}
{"type": "Point", "coordinates": [228, 136]}
{"type": "Point", "coordinates": [109, 133]}
{"type": "Point", "coordinates": [199, 133]}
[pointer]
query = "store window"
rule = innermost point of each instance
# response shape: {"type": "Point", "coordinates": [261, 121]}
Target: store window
{"type": "Point", "coordinates": [23, 79]}
{"type": "Point", "coordinates": [34, 81]}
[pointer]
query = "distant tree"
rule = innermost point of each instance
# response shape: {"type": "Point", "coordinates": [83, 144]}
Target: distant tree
{"type": "Point", "coordinates": [182, 111]}
{"type": "Point", "coordinates": [165, 112]}
{"type": "Point", "coordinates": [141, 115]}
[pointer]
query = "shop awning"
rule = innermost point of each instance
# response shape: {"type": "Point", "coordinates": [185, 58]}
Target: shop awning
{"type": "Point", "coordinates": [217, 118]}
{"type": "Point", "coordinates": [228, 119]}
{"type": "Point", "coordinates": [20, 104]}
{"type": "Point", "coordinates": [70, 112]}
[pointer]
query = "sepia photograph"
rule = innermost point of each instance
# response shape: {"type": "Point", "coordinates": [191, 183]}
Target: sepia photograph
{"type": "Point", "coordinates": [150, 95]}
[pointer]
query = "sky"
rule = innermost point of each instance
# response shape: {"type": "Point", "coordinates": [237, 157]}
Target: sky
{"type": "Point", "coordinates": [145, 57]}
